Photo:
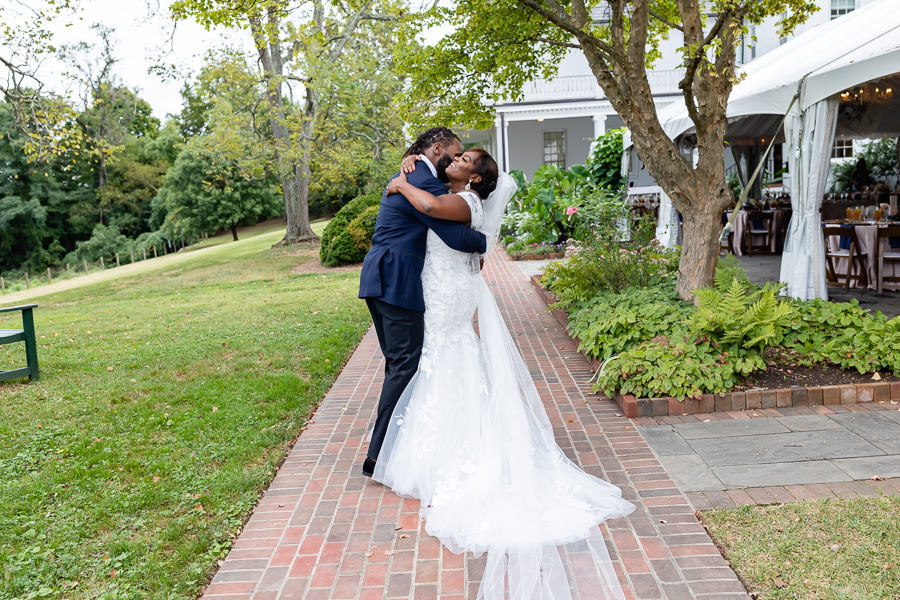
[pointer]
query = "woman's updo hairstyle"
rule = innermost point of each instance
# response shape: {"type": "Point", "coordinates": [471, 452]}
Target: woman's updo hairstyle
{"type": "Point", "coordinates": [485, 165]}
{"type": "Point", "coordinates": [429, 138]}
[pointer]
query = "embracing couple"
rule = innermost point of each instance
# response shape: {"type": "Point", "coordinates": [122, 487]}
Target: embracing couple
{"type": "Point", "coordinates": [460, 425]}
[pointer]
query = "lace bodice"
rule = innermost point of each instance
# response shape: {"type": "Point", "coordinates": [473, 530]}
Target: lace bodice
{"type": "Point", "coordinates": [449, 286]}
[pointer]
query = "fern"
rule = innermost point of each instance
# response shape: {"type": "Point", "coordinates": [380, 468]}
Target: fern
{"type": "Point", "coordinates": [727, 270]}
{"type": "Point", "coordinates": [733, 316]}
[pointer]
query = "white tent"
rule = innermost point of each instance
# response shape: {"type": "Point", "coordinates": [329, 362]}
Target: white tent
{"type": "Point", "coordinates": [818, 65]}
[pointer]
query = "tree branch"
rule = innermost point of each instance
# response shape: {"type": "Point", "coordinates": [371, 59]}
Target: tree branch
{"type": "Point", "coordinates": [660, 18]}
{"type": "Point", "coordinates": [518, 40]}
{"type": "Point", "coordinates": [687, 84]}
{"type": "Point", "coordinates": [564, 21]}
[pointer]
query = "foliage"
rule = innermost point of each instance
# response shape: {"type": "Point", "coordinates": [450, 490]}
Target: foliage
{"type": "Point", "coordinates": [43, 119]}
{"type": "Point", "coordinates": [496, 46]}
{"type": "Point", "coordinates": [734, 183]}
{"type": "Point", "coordinates": [845, 335]}
{"type": "Point", "coordinates": [165, 405]}
{"type": "Point", "coordinates": [833, 549]}
{"type": "Point", "coordinates": [549, 197]}
{"type": "Point", "coordinates": [340, 56]}
{"type": "Point", "coordinates": [678, 367]}
{"type": "Point", "coordinates": [656, 345]}
{"type": "Point", "coordinates": [105, 243]}
{"type": "Point", "coordinates": [735, 317]}
{"type": "Point", "coordinates": [204, 192]}
{"type": "Point", "coordinates": [881, 161]}
{"type": "Point", "coordinates": [339, 244]}
{"type": "Point", "coordinates": [520, 248]}
{"type": "Point", "coordinates": [605, 161]}
{"type": "Point", "coordinates": [362, 228]}
{"type": "Point", "coordinates": [608, 266]}
{"type": "Point", "coordinates": [611, 322]}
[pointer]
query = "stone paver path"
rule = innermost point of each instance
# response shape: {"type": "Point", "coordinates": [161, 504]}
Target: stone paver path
{"type": "Point", "coordinates": [323, 531]}
{"type": "Point", "coordinates": [780, 455]}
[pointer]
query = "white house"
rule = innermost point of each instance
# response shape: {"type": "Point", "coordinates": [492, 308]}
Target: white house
{"type": "Point", "coordinates": [556, 120]}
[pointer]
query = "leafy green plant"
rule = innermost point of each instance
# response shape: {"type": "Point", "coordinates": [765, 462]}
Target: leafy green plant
{"type": "Point", "coordinates": [605, 162]}
{"type": "Point", "coordinates": [549, 197]}
{"type": "Point", "coordinates": [338, 247]}
{"type": "Point", "coordinates": [748, 320]}
{"type": "Point", "coordinates": [845, 335]}
{"type": "Point", "coordinates": [601, 265]}
{"type": "Point", "coordinates": [881, 161]}
{"type": "Point", "coordinates": [610, 323]}
{"type": "Point", "coordinates": [362, 228]}
{"type": "Point", "coordinates": [678, 366]}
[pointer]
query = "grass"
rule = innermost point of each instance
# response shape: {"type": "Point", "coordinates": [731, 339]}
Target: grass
{"type": "Point", "coordinates": [220, 248]}
{"type": "Point", "coordinates": [166, 402]}
{"type": "Point", "coordinates": [824, 550]}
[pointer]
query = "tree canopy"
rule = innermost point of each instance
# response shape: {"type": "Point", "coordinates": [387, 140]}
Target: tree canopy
{"type": "Point", "coordinates": [496, 46]}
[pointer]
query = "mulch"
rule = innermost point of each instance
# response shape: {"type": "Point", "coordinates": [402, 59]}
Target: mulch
{"type": "Point", "coordinates": [789, 376]}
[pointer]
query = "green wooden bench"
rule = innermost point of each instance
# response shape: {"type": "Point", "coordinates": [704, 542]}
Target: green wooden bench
{"type": "Point", "coordinates": [26, 334]}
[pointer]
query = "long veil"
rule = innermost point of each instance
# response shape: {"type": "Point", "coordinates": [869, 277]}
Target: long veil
{"type": "Point", "coordinates": [536, 565]}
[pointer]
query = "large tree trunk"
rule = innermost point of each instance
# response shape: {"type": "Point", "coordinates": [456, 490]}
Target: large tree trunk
{"type": "Point", "coordinates": [699, 192]}
{"type": "Point", "coordinates": [296, 207]}
{"type": "Point", "coordinates": [700, 249]}
{"type": "Point", "coordinates": [234, 232]}
{"type": "Point", "coordinates": [299, 228]}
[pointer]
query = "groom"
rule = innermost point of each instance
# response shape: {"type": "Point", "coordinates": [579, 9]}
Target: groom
{"type": "Point", "coordinates": [390, 281]}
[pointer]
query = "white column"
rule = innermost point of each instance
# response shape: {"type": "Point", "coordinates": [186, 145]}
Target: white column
{"type": "Point", "coordinates": [497, 149]}
{"type": "Point", "coordinates": [506, 166]}
{"type": "Point", "coordinates": [599, 125]}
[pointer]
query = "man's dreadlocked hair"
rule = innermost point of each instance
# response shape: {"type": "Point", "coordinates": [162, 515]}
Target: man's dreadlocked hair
{"type": "Point", "coordinates": [429, 138]}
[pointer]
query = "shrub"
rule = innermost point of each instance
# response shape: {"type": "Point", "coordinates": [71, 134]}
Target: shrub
{"type": "Point", "coordinates": [519, 248]}
{"type": "Point", "coordinates": [605, 161]}
{"type": "Point", "coordinates": [362, 228]}
{"type": "Point", "coordinates": [105, 242]}
{"type": "Point", "coordinates": [338, 246]}
{"type": "Point", "coordinates": [604, 266]}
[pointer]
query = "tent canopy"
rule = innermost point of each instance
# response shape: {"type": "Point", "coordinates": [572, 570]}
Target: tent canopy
{"type": "Point", "coordinates": [860, 46]}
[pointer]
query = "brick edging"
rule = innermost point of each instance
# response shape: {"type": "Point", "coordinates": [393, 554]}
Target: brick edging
{"type": "Point", "coordinates": [753, 400]}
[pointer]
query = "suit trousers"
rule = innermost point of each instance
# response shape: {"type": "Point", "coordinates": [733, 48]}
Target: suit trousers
{"type": "Point", "coordinates": [401, 333]}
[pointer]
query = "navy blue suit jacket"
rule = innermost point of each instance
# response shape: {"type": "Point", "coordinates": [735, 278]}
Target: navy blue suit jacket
{"type": "Point", "coordinates": [392, 270]}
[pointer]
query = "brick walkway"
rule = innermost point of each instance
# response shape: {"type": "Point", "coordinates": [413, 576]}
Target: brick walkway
{"type": "Point", "coordinates": [323, 531]}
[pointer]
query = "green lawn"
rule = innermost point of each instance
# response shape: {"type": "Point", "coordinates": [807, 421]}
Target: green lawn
{"type": "Point", "coordinates": [167, 400]}
{"type": "Point", "coordinates": [823, 550]}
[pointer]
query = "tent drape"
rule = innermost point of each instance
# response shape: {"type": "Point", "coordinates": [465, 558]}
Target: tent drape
{"type": "Point", "coordinates": [810, 135]}
{"type": "Point", "coordinates": [668, 228]}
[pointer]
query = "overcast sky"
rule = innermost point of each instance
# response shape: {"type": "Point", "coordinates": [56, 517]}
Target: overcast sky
{"type": "Point", "coordinates": [138, 42]}
{"type": "Point", "coordinates": [137, 46]}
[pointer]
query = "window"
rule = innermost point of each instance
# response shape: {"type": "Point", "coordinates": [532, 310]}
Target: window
{"type": "Point", "coordinates": [842, 148]}
{"type": "Point", "coordinates": [840, 8]}
{"type": "Point", "coordinates": [753, 41]}
{"type": "Point", "coordinates": [555, 148]}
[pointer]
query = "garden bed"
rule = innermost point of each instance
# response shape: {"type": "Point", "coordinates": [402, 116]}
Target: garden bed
{"type": "Point", "coordinates": [551, 256]}
{"type": "Point", "coordinates": [835, 392]}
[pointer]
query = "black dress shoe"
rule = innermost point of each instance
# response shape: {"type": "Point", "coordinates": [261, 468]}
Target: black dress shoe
{"type": "Point", "coordinates": [368, 468]}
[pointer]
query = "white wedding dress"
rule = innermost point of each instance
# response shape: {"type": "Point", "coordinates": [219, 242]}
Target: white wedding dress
{"type": "Point", "coordinates": [471, 440]}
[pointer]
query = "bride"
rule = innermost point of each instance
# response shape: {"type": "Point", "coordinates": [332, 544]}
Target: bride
{"type": "Point", "coordinates": [470, 438]}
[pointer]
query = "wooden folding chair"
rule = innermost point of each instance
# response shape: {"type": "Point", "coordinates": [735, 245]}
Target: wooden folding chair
{"type": "Point", "coordinates": [886, 255]}
{"type": "Point", "coordinates": [764, 231]}
{"type": "Point", "coordinates": [853, 255]}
